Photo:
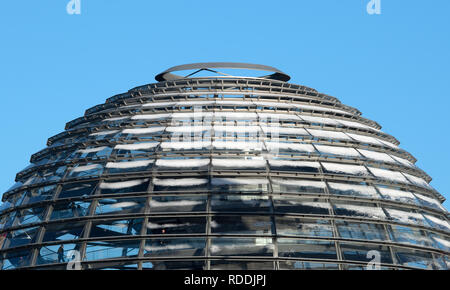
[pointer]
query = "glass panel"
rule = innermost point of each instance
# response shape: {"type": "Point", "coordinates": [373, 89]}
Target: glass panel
{"type": "Point", "coordinates": [89, 170]}
{"type": "Point", "coordinates": [63, 231]}
{"type": "Point", "coordinates": [72, 209]}
{"type": "Point", "coordinates": [37, 194]}
{"type": "Point", "coordinates": [287, 204]}
{"type": "Point", "coordinates": [298, 185]}
{"type": "Point", "coordinates": [356, 252]}
{"type": "Point", "coordinates": [135, 150]}
{"type": "Point", "coordinates": [397, 195]}
{"type": "Point", "coordinates": [30, 215]}
{"type": "Point", "coordinates": [134, 185]}
{"type": "Point", "coordinates": [239, 164]}
{"type": "Point", "coordinates": [438, 222]}
{"type": "Point", "coordinates": [7, 220]}
{"type": "Point", "coordinates": [55, 253]}
{"type": "Point", "coordinates": [133, 165]}
{"type": "Point", "coordinates": [53, 174]}
{"type": "Point", "coordinates": [306, 249]}
{"type": "Point", "coordinates": [92, 153]}
{"type": "Point", "coordinates": [241, 247]}
{"type": "Point", "coordinates": [116, 228]}
{"type": "Point", "coordinates": [20, 237]}
{"type": "Point", "coordinates": [353, 190]}
{"type": "Point", "coordinates": [185, 164]}
{"type": "Point", "coordinates": [239, 184]}
{"type": "Point", "coordinates": [121, 205]}
{"type": "Point", "coordinates": [360, 209]}
{"type": "Point", "coordinates": [297, 166]}
{"type": "Point", "coordinates": [78, 189]}
{"type": "Point", "coordinates": [430, 202]}
{"type": "Point", "coordinates": [254, 225]}
{"type": "Point", "coordinates": [176, 225]}
{"type": "Point", "coordinates": [240, 203]}
{"type": "Point", "coordinates": [440, 242]}
{"type": "Point", "coordinates": [414, 258]}
{"type": "Point", "coordinates": [440, 262]}
{"type": "Point", "coordinates": [407, 216]}
{"type": "Point", "coordinates": [184, 247]}
{"type": "Point", "coordinates": [181, 203]}
{"type": "Point", "coordinates": [345, 169]}
{"type": "Point", "coordinates": [16, 259]}
{"type": "Point", "coordinates": [180, 184]}
{"type": "Point", "coordinates": [362, 231]}
{"type": "Point", "coordinates": [402, 234]}
{"type": "Point", "coordinates": [100, 250]}
{"type": "Point", "coordinates": [303, 227]}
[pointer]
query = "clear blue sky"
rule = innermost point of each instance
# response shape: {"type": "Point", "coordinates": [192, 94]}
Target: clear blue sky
{"type": "Point", "coordinates": [394, 67]}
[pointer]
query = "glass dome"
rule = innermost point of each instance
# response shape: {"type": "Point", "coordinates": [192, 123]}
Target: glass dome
{"type": "Point", "coordinates": [223, 172]}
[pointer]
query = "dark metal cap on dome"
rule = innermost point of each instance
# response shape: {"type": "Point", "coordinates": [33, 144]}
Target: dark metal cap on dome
{"type": "Point", "coordinates": [167, 75]}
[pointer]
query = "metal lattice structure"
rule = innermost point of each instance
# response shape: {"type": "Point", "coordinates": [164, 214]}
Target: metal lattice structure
{"type": "Point", "coordinates": [223, 172]}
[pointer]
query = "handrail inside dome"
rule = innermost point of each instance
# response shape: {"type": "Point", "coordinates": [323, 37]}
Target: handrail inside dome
{"type": "Point", "coordinates": [167, 75]}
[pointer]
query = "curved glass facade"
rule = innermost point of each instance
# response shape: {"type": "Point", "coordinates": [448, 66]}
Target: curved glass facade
{"type": "Point", "coordinates": [223, 173]}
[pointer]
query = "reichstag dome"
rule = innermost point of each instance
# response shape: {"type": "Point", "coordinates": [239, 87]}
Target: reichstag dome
{"type": "Point", "coordinates": [223, 172]}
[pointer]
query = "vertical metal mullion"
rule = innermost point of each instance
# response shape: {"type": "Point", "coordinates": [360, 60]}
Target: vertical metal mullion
{"type": "Point", "coordinates": [385, 226]}
{"type": "Point", "coordinates": [208, 233]}
{"type": "Point", "coordinates": [145, 224]}
{"type": "Point", "coordinates": [274, 234]}
{"type": "Point", "coordinates": [88, 225]}
{"type": "Point", "coordinates": [40, 235]}
{"type": "Point", "coordinates": [333, 224]}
